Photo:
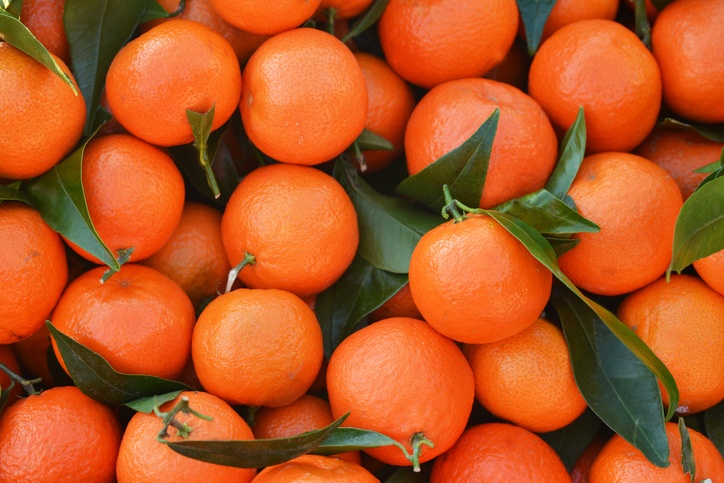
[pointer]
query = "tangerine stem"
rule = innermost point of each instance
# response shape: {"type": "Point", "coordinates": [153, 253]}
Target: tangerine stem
{"type": "Point", "coordinates": [124, 255]}
{"type": "Point", "coordinates": [359, 157]}
{"type": "Point", "coordinates": [418, 439]}
{"type": "Point", "coordinates": [26, 383]}
{"type": "Point", "coordinates": [450, 207]}
{"type": "Point", "coordinates": [169, 419]}
{"type": "Point", "coordinates": [234, 272]}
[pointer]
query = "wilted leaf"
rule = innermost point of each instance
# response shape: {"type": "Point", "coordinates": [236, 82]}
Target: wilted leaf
{"type": "Point", "coordinates": [534, 14]}
{"type": "Point", "coordinates": [687, 453]}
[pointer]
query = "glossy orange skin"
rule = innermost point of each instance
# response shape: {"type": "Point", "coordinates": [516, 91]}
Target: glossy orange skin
{"type": "Point", "coordinates": [621, 462]}
{"type": "Point", "coordinates": [346, 9]}
{"type": "Point", "coordinates": [139, 320]}
{"type": "Point", "coordinates": [315, 469]}
{"type": "Point", "coordinates": [711, 270]}
{"type": "Point", "coordinates": [304, 99]}
{"type": "Point", "coordinates": [635, 203]}
{"type": "Point", "coordinates": [686, 41]}
{"type": "Point", "coordinates": [476, 283]}
{"type": "Point", "coordinates": [173, 67]}
{"type": "Point", "coordinates": [582, 467]}
{"type": "Point", "coordinates": [383, 375]}
{"type": "Point", "coordinates": [525, 148]}
{"type": "Point", "coordinates": [33, 271]}
{"type": "Point", "coordinates": [527, 378]}
{"type": "Point", "coordinates": [142, 459]}
{"type": "Point", "coordinates": [676, 319]}
{"type": "Point", "coordinates": [297, 221]}
{"type": "Point", "coordinates": [604, 67]}
{"type": "Point", "coordinates": [497, 452]}
{"type": "Point", "coordinates": [44, 18]}
{"type": "Point", "coordinates": [428, 43]}
{"type": "Point", "coordinates": [257, 347]}
{"type": "Point", "coordinates": [134, 192]}
{"type": "Point", "coordinates": [680, 153]}
{"type": "Point", "coordinates": [59, 435]}
{"type": "Point", "coordinates": [266, 18]}
{"type": "Point", "coordinates": [194, 255]}
{"type": "Point", "coordinates": [399, 305]}
{"type": "Point", "coordinates": [566, 12]}
{"type": "Point", "coordinates": [47, 118]}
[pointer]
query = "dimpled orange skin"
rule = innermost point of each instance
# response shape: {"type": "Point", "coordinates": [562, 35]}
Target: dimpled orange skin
{"type": "Point", "coordinates": [676, 319]}
{"type": "Point", "coordinates": [476, 283]}
{"type": "Point", "coordinates": [173, 67]}
{"type": "Point", "coordinates": [604, 67]}
{"type": "Point", "coordinates": [686, 41]}
{"type": "Point", "coordinates": [59, 435]}
{"type": "Point", "coordinates": [385, 375]}
{"type": "Point", "coordinates": [142, 459]}
{"type": "Point", "coordinates": [428, 43]}
{"type": "Point", "coordinates": [299, 224]}
{"type": "Point", "coordinates": [711, 270]}
{"type": "Point", "coordinates": [139, 320]}
{"type": "Point", "coordinates": [264, 17]}
{"type": "Point", "coordinates": [44, 18]}
{"type": "Point", "coordinates": [497, 452]}
{"type": "Point", "coordinates": [525, 148]}
{"type": "Point", "coordinates": [568, 11]}
{"type": "Point", "coordinates": [47, 118]}
{"type": "Point", "coordinates": [315, 469]}
{"type": "Point", "coordinates": [635, 203]}
{"type": "Point", "coordinates": [33, 271]}
{"type": "Point", "coordinates": [257, 347]}
{"type": "Point", "coordinates": [620, 461]}
{"type": "Point", "coordinates": [304, 98]}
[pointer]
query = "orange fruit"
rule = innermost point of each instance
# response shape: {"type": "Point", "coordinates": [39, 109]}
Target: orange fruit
{"type": "Point", "coordinates": [447, 284]}
{"type": "Point", "coordinates": [142, 459]}
{"type": "Point", "coordinates": [499, 452]}
{"type": "Point", "coordinates": [194, 255]}
{"type": "Point", "coordinates": [428, 43]}
{"type": "Point", "coordinates": [527, 378]}
{"type": "Point", "coordinates": [315, 468]}
{"type": "Point", "coordinates": [620, 461]}
{"type": "Point", "coordinates": [7, 357]}
{"type": "Point", "coordinates": [299, 224]}
{"type": "Point", "coordinates": [390, 103]}
{"type": "Point", "coordinates": [33, 271]}
{"type": "Point", "coordinates": [711, 270]}
{"type": "Point", "coordinates": [678, 319]}
{"type": "Point", "coordinates": [582, 467]}
{"type": "Point", "coordinates": [513, 69]}
{"type": "Point", "coordinates": [303, 99]}
{"type": "Point", "coordinates": [177, 66]}
{"type": "Point", "coordinates": [635, 203]}
{"type": "Point", "coordinates": [399, 305]}
{"type": "Point", "coordinates": [134, 192]}
{"type": "Point", "coordinates": [566, 12]}
{"type": "Point", "coordinates": [58, 435]}
{"type": "Point", "coordinates": [257, 347]}
{"type": "Point", "coordinates": [44, 18]}
{"type": "Point", "coordinates": [604, 67]}
{"type": "Point", "coordinates": [686, 42]}
{"type": "Point", "coordinates": [138, 320]}
{"type": "Point", "coordinates": [525, 148]}
{"type": "Point", "coordinates": [32, 353]}
{"type": "Point", "coordinates": [680, 152]}
{"type": "Point", "coordinates": [267, 18]}
{"type": "Point", "coordinates": [383, 374]}
{"type": "Point", "coordinates": [46, 116]}
{"type": "Point", "coordinates": [346, 9]}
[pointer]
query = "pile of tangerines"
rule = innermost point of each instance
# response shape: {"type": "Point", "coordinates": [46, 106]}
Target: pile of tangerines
{"type": "Point", "coordinates": [243, 241]}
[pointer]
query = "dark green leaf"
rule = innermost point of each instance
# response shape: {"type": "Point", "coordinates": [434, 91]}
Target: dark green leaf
{"type": "Point", "coordinates": [367, 20]}
{"type": "Point", "coordinates": [17, 34]}
{"type": "Point", "coordinates": [616, 385]}
{"type": "Point", "coordinates": [370, 141]}
{"type": "Point", "coordinates": [13, 7]}
{"type": "Point", "coordinates": [463, 169]}
{"type": "Point", "coordinates": [389, 227]}
{"type": "Point", "coordinates": [571, 441]}
{"type": "Point", "coordinates": [573, 149]}
{"type": "Point", "coordinates": [714, 424]}
{"type": "Point", "coordinates": [699, 228]}
{"type": "Point", "coordinates": [343, 440]}
{"type": "Point", "coordinates": [9, 193]}
{"type": "Point", "coordinates": [561, 245]}
{"type": "Point", "coordinates": [96, 31]}
{"type": "Point", "coordinates": [687, 453]}
{"type": "Point", "coordinates": [716, 170]}
{"type": "Point", "coordinates": [95, 377]}
{"type": "Point", "coordinates": [201, 123]}
{"type": "Point", "coordinates": [643, 27]}
{"type": "Point", "coordinates": [255, 453]}
{"type": "Point", "coordinates": [713, 132]}
{"type": "Point", "coordinates": [360, 290]}
{"type": "Point", "coordinates": [547, 214]}
{"type": "Point", "coordinates": [146, 404]}
{"type": "Point", "coordinates": [534, 14]}
{"type": "Point", "coordinates": [155, 11]}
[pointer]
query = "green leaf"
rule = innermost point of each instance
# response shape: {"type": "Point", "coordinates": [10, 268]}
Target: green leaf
{"type": "Point", "coordinates": [389, 227]}
{"type": "Point", "coordinates": [643, 27]}
{"type": "Point", "coordinates": [255, 453]}
{"type": "Point", "coordinates": [13, 7]}
{"type": "Point", "coordinates": [561, 245]}
{"type": "Point", "coordinates": [573, 149]}
{"type": "Point", "coordinates": [146, 404]}
{"type": "Point", "coordinates": [699, 230]}
{"type": "Point", "coordinates": [367, 20]}
{"type": "Point", "coordinates": [370, 141]}
{"type": "Point", "coordinates": [59, 197]}
{"type": "Point", "coordinates": [95, 377]}
{"type": "Point", "coordinates": [714, 424]}
{"type": "Point", "coordinates": [18, 35]}
{"type": "Point", "coordinates": [547, 214]}
{"type": "Point", "coordinates": [463, 169]}
{"type": "Point", "coordinates": [5, 393]}
{"type": "Point", "coordinates": [534, 14]}
{"type": "Point", "coordinates": [712, 132]}
{"type": "Point", "coordinates": [96, 31]}
{"type": "Point", "coordinates": [360, 290]}
{"type": "Point", "coordinates": [155, 11]}
{"type": "Point", "coordinates": [571, 441]}
{"type": "Point", "coordinates": [343, 440]}
{"type": "Point", "coordinates": [711, 167]}
{"type": "Point", "coordinates": [687, 453]}
{"type": "Point", "coordinates": [10, 193]}
{"type": "Point", "coordinates": [616, 385]}
{"type": "Point", "coordinates": [201, 124]}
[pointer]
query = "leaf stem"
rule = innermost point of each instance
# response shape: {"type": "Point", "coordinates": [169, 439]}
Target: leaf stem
{"type": "Point", "coordinates": [26, 383]}
{"type": "Point", "coordinates": [124, 255]}
{"type": "Point", "coordinates": [417, 440]}
{"type": "Point", "coordinates": [359, 157]}
{"type": "Point", "coordinates": [169, 419]}
{"type": "Point", "coordinates": [331, 16]}
{"type": "Point", "coordinates": [248, 259]}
